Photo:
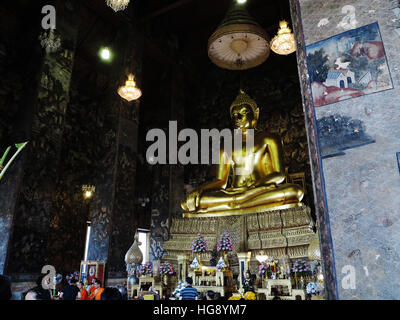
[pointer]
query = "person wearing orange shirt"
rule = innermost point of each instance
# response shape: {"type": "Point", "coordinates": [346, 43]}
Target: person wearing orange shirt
{"type": "Point", "coordinates": [96, 295]}
{"type": "Point", "coordinates": [83, 294]}
{"type": "Point", "coordinates": [92, 287]}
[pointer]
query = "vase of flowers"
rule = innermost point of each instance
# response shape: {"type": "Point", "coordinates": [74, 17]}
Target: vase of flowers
{"type": "Point", "coordinates": [166, 270]}
{"type": "Point", "coordinates": [221, 265]}
{"type": "Point", "coordinates": [265, 270]}
{"type": "Point", "coordinates": [225, 245]}
{"type": "Point", "coordinates": [300, 269]}
{"type": "Point", "coordinates": [146, 270]}
{"type": "Point", "coordinates": [199, 245]}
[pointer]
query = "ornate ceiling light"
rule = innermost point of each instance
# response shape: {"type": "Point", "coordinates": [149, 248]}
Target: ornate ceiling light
{"type": "Point", "coordinates": [118, 5]}
{"type": "Point", "coordinates": [88, 191]}
{"type": "Point", "coordinates": [50, 41]}
{"type": "Point", "coordinates": [239, 42]}
{"type": "Point", "coordinates": [129, 91]}
{"type": "Point", "coordinates": [284, 42]}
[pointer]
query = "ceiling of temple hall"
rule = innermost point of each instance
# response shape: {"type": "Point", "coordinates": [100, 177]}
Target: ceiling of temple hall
{"type": "Point", "coordinates": [190, 22]}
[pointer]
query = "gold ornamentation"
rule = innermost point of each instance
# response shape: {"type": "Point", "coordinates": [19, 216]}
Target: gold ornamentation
{"type": "Point", "coordinates": [260, 186]}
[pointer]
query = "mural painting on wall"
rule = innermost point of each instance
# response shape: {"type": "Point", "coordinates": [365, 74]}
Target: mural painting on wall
{"type": "Point", "coordinates": [337, 133]}
{"type": "Point", "coordinates": [348, 65]}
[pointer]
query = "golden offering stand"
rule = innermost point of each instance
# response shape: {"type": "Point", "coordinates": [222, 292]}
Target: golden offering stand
{"type": "Point", "coordinates": [209, 278]}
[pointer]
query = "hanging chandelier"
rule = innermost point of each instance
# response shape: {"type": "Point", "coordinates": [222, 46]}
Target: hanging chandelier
{"type": "Point", "coordinates": [284, 42]}
{"type": "Point", "coordinates": [239, 42]}
{"type": "Point", "coordinates": [50, 41]}
{"type": "Point", "coordinates": [129, 91]}
{"type": "Point", "coordinates": [118, 5]}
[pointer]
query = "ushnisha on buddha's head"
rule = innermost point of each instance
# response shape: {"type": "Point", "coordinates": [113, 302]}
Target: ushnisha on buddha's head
{"type": "Point", "coordinates": [244, 112]}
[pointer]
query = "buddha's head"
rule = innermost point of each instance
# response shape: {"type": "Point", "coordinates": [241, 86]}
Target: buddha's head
{"type": "Point", "coordinates": [244, 112]}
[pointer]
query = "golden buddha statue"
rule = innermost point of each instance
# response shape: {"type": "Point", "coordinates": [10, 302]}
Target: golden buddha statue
{"type": "Point", "coordinates": [259, 186]}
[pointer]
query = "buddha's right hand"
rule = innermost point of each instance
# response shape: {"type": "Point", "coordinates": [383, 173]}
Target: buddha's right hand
{"type": "Point", "coordinates": [193, 200]}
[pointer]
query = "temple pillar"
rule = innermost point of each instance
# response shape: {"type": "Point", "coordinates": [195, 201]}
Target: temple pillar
{"type": "Point", "coordinates": [182, 266]}
{"type": "Point", "coordinates": [176, 186]}
{"type": "Point", "coordinates": [244, 264]}
{"type": "Point", "coordinates": [27, 247]}
{"type": "Point", "coordinates": [113, 216]}
{"type": "Point", "coordinates": [353, 140]}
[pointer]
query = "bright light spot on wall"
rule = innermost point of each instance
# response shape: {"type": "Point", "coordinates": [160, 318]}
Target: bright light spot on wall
{"type": "Point", "coordinates": [241, 1]}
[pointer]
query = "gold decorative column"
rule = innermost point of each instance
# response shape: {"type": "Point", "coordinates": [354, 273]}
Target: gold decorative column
{"type": "Point", "coordinates": [244, 260]}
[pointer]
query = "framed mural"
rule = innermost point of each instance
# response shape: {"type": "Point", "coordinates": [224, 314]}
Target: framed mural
{"type": "Point", "coordinates": [348, 65]}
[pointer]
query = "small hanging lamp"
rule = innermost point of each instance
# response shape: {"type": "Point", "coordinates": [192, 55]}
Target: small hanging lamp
{"type": "Point", "coordinates": [129, 91]}
{"type": "Point", "coordinates": [239, 43]}
{"type": "Point", "coordinates": [284, 42]}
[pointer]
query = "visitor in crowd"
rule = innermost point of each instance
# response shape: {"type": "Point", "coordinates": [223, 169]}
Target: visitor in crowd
{"type": "Point", "coordinates": [83, 294]}
{"type": "Point", "coordinates": [70, 291]}
{"type": "Point", "coordinates": [210, 295]}
{"type": "Point", "coordinates": [111, 293]}
{"type": "Point", "coordinates": [189, 293]}
{"type": "Point", "coordinates": [38, 292]}
{"type": "Point", "coordinates": [276, 297]}
{"type": "Point", "coordinates": [92, 287]}
{"type": "Point", "coordinates": [98, 290]}
{"type": "Point", "coordinates": [5, 288]}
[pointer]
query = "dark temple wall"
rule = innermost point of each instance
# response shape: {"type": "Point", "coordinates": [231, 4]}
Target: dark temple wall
{"type": "Point", "coordinates": [33, 212]}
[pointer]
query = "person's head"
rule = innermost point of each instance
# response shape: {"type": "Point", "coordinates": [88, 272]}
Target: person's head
{"type": "Point", "coordinates": [73, 282]}
{"type": "Point", "coordinates": [94, 280]}
{"type": "Point", "coordinates": [79, 284]}
{"type": "Point", "coordinates": [97, 283]}
{"type": "Point", "coordinates": [111, 294]}
{"type": "Point", "coordinates": [5, 288]}
{"type": "Point", "coordinates": [35, 294]}
{"type": "Point", "coordinates": [210, 295]}
{"type": "Point", "coordinates": [189, 281]}
{"type": "Point", "coordinates": [244, 112]}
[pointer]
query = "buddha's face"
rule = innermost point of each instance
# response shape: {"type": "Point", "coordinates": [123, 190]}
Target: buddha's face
{"type": "Point", "coordinates": [243, 117]}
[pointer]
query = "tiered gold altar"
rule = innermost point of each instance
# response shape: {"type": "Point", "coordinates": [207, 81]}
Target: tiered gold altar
{"type": "Point", "coordinates": [282, 233]}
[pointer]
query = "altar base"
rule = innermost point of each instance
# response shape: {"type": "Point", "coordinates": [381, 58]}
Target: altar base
{"type": "Point", "coordinates": [281, 233]}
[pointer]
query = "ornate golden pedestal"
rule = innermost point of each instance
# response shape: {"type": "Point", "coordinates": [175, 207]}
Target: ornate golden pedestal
{"type": "Point", "coordinates": [279, 233]}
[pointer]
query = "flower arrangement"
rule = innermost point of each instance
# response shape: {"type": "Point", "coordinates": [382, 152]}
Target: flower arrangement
{"type": "Point", "coordinates": [301, 267]}
{"type": "Point", "coordinates": [249, 295]}
{"type": "Point", "coordinates": [166, 268]}
{"type": "Point", "coordinates": [311, 288]}
{"type": "Point", "coordinates": [225, 243]}
{"type": "Point", "coordinates": [195, 264]}
{"type": "Point", "coordinates": [199, 244]}
{"type": "Point", "coordinates": [146, 268]}
{"type": "Point", "coordinates": [72, 276]}
{"type": "Point", "coordinates": [221, 264]}
{"type": "Point", "coordinates": [265, 268]}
